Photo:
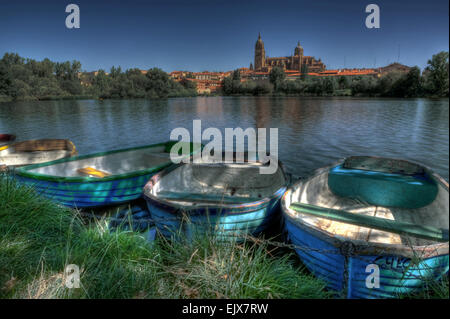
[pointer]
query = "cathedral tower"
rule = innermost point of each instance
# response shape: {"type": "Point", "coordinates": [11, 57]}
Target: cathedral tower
{"type": "Point", "coordinates": [298, 57]}
{"type": "Point", "coordinates": [298, 49]}
{"type": "Point", "coordinates": [260, 54]}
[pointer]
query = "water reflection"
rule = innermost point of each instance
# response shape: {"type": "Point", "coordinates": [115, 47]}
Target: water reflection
{"type": "Point", "coordinates": [312, 131]}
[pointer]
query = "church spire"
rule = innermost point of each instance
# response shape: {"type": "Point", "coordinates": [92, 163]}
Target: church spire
{"type": "Point", "coordinates": [260, 54]}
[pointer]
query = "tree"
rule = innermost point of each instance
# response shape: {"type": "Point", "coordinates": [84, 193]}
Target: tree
{"type": "Point", "coordinates": [436, 74]}
{"type": "Point", "coordinates": [343, 82]}
{"type": "Point", "coordinates": [159, 83]}
{"type": "Point", "coordinates": [5, 79]}
{"type": "Point", "coordinates": [101, 84]}
{"type": "Point", "coordinates": [386, 83]}
{"type": "Point", "coordinates": [12, 59]}
{"type": "Point", "coordinates": [236, 76]}
{"type": "Point", "coordinates": [365, 85]}
{"type": "Point", "coordinates": [408, 85]}
{"type": "Point", "coordinates": [262, 88]}
{"type": "Point", "coordinates": [232, 83]}
{"type": "Point", "coordinates": [228, 85]}
{"type": "Point", "coordinates": [304, 72]}
{"type": "Point", "coordinates": [328, 85]}
{"type": "Point", "coordinates": [115, 72]}
{"type": "Point", "coordinates": [277, 78]}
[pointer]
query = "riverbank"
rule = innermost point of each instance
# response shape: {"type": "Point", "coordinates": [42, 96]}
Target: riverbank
{"type": "Point", "coordinates": [344, 93]}
{"type": "Point", "coordinates": [38, 239]}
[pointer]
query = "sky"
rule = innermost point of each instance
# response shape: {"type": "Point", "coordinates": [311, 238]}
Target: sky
{"type": "Point", "coordinates": [199, 35]}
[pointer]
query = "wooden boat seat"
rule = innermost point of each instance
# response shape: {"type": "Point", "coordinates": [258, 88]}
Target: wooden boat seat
{"type": "Point", "coordinates": [412, 189]}
{"type": "Point", "coordinates": [90, 171]}
{"type": "Point", "coordinates": [358, 232]}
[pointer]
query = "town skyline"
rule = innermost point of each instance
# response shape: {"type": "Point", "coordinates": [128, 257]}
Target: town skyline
{"type": "Point", "coordinates": [214, 36]}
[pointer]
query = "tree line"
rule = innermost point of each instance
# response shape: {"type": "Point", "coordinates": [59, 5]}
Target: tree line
{"type": "Point", "coordinates": [28, 79]}
{"type": "Point", "coordinates": [432, 82]}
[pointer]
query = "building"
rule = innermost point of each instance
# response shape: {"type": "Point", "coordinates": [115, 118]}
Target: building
{"type": "Point", "coordinates": [297, 62]}
{"type": "Point", "coordinates": [206, 86]}
{"type": "Point", "coordinates": [212, 76]}
{"type": "Point", "coordinates": [394, 68]}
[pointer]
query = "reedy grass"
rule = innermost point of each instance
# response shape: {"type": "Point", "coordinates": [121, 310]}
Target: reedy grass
{"type": "Point", "coordinates": [38, 239]}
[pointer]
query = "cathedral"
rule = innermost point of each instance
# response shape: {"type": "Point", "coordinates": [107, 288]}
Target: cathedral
{"type": "Point", "coordinates": [298, 61]}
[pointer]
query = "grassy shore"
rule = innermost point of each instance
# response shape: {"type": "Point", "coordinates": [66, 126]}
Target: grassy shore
{"type": "Point", "coordinates": [38, 239]}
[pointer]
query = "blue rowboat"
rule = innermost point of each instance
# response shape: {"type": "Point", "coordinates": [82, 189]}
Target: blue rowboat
{"type": "Point", "coordinates": [371, 227]}
{"type": "Point", "coordinates": [100, 179]}
{"type": "Point", "coordinates": [228, 200]}
{"type": "Point", "coordinates": [133, 216]}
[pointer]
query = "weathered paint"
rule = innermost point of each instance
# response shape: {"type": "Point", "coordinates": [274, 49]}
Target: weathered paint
{"type": "Point", "coordinates": [228, 221]}
{"type": "Point", "coordinates": [82, 192]}
{"type": "Point", "coordinates": [398, 275]}
{"type": "Point", "coordinates": [342, 262]}
{"type": "Point", "coordinates": [89, 193]}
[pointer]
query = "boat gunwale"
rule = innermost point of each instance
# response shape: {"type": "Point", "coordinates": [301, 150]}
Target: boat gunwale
{"type": "Point", "coordinates": [6, 139]}
{"type": "Point", "coordinates": [362, 247]}
{"type": "Point", "coordinates": [24, 171]}
{"type": "Point", "coordinates": [254, 205]}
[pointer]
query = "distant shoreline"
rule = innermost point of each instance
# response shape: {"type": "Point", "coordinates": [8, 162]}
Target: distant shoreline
{"type": "Point", "coordinates": [29, 80]}
{"type": "Point", "coordinates": [94, 98]}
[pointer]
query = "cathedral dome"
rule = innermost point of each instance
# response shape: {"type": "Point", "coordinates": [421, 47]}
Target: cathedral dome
{"type": "Point", "coordinates": [298, 49]}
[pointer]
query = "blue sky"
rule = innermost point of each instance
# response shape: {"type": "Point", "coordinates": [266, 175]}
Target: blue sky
{"type": "Point", "coordinates": [213, 35]}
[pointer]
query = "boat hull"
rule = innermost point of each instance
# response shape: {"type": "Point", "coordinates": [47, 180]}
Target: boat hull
{"type": "Point", "coordinates": [224, 223]}
{"type": "Point", "coordinates": [353, 266]}
{"type": "Point", "coordinates": [221, 219]}
{"type": "Point", "coordinates": [347, 275]}
{"type": "Point", "coordinates": [89, 194]}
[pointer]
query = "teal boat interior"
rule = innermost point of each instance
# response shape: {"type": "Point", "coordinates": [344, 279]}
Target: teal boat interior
{"type": "Point", "coordinates": [393, 190]}
{"type": "Point", "coordinates": [383, 182]}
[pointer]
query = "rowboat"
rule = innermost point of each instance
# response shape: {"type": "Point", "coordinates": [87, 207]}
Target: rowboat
{"type": "Point", "coordinates": [371, 227]}
{"type": "Point", "coordinates": [6, 139]}
{"type": "Point", "coordinates": [229, 200]}
{"type": "Point", "coordinates": [36, 151]}
{"type": "Point", "coordinates": [132, 216]}
{"type": "Point", "coordinates": [100, 179]}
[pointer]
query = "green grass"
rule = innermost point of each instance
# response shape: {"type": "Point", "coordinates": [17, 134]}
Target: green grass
{"type": "Point", "coordinates": [38, 239]}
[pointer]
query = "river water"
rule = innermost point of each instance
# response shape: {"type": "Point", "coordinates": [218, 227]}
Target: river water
{"type": "Point", "coordinates": [312, 132]}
